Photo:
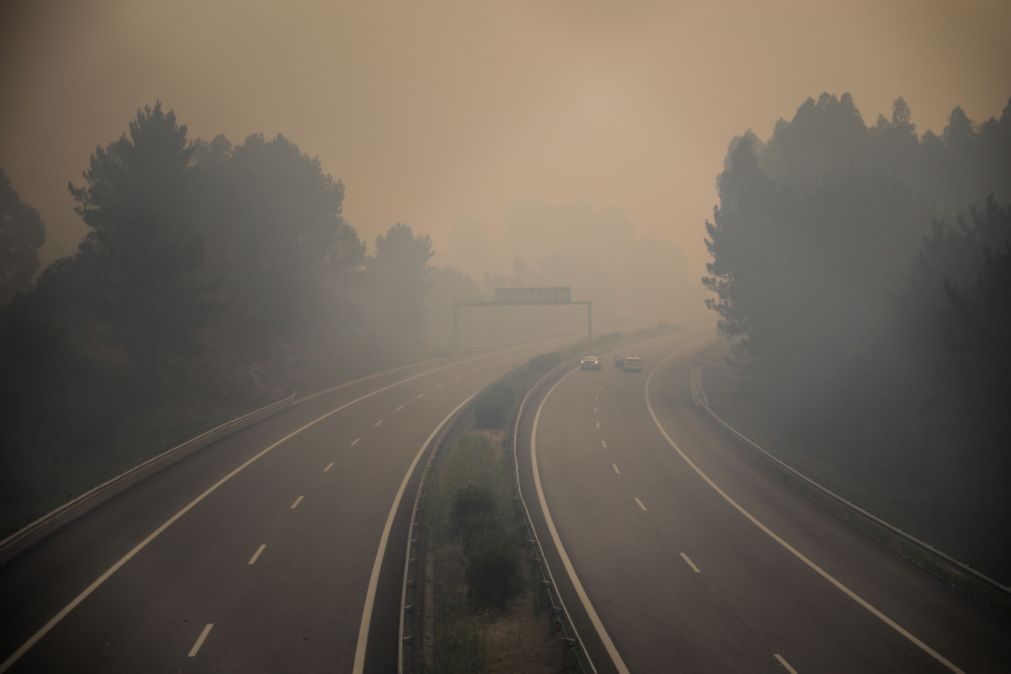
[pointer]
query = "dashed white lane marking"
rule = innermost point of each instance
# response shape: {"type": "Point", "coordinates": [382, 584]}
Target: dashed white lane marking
{"type": "Point", "coordinates": [420, 395]}
{"type": "Point", "coordinates": [616, 471]}
{"type": "Point", "coordinates": [438, 386]}
{"type": "Point", "coordinates": [577, 585]}
{"type": "Point", "coordinates": [200, 640]}
{"type": "Point", "coordinates": [639, 503]}
{"type": "Point", "coordinates": [399, 407]}
{"type": "Point", "coordinates": [355, 441]}
{"type": "Point", "coordinates": [779, 539]}
{"type": "Point", "coordinates": [597, 424]}
{"type": "Point", "coordinates": [594, 410]}
{"type": "Point", "coordinates": [328, 467]}
{"type": "Point", "coordinates": [690, 563]}
{"type": "Point", "coordinates": [256, 555]}
{"type": "Point", "coordinates": [786, 665]}
{"type": "Point", "coordinates": [596, 397]}
{"type": "Point", "coordinates": [603, 443]}
{"type": "Point", "coordinates": [378, 423]}
{"type": "Point", "coordinates": [297, 501]}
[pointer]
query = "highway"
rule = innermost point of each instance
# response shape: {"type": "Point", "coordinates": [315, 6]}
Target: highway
{"type": "Point", "coordinates": [259, 553]}
{"type": "Point", "coordinates": [674, 550]}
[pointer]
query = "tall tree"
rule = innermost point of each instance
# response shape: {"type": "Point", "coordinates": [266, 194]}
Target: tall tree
{"type": "Point", "coordinates": [401, 278]}
{"type": "Point", "coordinates": [136, 201]}
{"type": "Point", "coordinates": [21, 234]}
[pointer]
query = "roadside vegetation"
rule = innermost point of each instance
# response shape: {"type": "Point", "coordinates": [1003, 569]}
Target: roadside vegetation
{"type": "Point", "coordinates": [865, 276]}
{"type": "Point", "coordinates": [489, 605]}
{"type": "Point", "coordinates": [214, 277]}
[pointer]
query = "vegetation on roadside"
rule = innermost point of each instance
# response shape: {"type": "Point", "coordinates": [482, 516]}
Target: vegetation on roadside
{"type": "Point", "coordinates": [488, 600]}
{"type": "Point", "coordinates": [865, 273]}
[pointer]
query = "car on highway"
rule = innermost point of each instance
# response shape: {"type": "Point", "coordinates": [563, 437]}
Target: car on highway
{"type": "Point", "coordinates": [631, 364]}
{"type": "Point", "coordinates": [590, 363]}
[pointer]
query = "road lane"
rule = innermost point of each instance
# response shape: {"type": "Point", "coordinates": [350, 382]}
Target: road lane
{"type": "Point", "coordinates": [297, 607]}
{"type": "Point", "coordinates": [750, 606]}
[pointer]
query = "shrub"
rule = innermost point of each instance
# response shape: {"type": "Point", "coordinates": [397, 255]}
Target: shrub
{"type": "Point", "coordinates": [544, 361]}
{"type": "Point", "coordinates": [494, 406]}
{"type": "Point", "coordinates": [493, 571]}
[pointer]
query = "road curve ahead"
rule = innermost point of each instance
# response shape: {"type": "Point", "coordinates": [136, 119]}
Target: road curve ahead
{"type": "Point", "coordinates": [255, 554]}
{"type": "Point", "coordinates": [693, 558]}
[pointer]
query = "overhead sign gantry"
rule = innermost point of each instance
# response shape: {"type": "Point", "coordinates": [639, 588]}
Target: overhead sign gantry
{"type": "Point", "coordinates": [526, 296]}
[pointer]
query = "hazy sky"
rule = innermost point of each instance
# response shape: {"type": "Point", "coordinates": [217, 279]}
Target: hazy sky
{"type": "Point", "coordinates": [447, 114]}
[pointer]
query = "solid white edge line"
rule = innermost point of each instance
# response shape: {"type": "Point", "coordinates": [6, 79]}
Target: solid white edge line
{"type": "Point", "coordinates": [776, 537]}
{"type": "Point", "coordinates": [639, 503]}
{"type": "Point", "coordinates": [786, 665]}
{"type": "Point", "coordinates": [370, 594]}
{"type": "Point", "coordinates": [616, 471]}
{"type": "Point", "coordinates": [297, 501]}
{"type": "Point", "coordinates": [200, 640]}
{"type": "Point", "coordinates": [577, 585]}
{"type": "Point", "coordinates": [328, 467]}
{"type": "Point", "coordinates": [690, 563]}
{"type": "Point", "coordinates": [256, 555]}
{"type": "Point", "coordinates": [95, 584]}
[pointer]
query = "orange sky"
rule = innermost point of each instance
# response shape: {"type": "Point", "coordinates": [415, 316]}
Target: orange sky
{"type": "Point", "coordinates": [446, 114]}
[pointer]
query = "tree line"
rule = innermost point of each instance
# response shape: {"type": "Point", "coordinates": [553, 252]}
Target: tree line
{"type": "Point", "coordinates": [213, 277]}
{"type": "Point", "coordinates": [865, 274]}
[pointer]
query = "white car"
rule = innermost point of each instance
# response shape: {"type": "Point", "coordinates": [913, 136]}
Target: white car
{"type": "Point", "coordinates": [631, 364]}
{"type": "Point", "coordinates": [589, 363]}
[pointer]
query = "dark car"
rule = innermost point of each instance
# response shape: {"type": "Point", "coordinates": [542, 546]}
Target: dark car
{"type": "Point", "coordinates": [590, 363]}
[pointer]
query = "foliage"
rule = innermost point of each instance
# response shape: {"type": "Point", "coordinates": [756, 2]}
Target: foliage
{"type": "Point", "coordinates": [21, 234]}
{"type": "Point", "coordinates": [494, 406]}
{"type": "Point", "coordinates": [859, 312]}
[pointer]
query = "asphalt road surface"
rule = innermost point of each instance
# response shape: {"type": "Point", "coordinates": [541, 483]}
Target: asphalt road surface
{"type": "Point", "coordinates": [256, 554]}
{"type": "Point", "coordinates": [687, 555]}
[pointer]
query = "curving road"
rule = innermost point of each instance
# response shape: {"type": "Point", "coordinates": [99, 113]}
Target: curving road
{"type": "Point", "coordinates": [685, 554]}
{"type": "Point", "coordinates": [265, 552]}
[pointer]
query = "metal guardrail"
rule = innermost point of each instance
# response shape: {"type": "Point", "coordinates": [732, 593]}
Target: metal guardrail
{"type": "Point", "coordinates": [701, 400]}
{"type": "Point", "coordinates": [410, 617]}
{"type": "Point", "coordinates": [76, 507]}
{"type": "Point", "coordinates": [561, 622]}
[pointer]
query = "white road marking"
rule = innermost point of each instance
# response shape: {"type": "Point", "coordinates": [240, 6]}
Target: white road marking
{"type": "Point", "coordinates": [420, 395]}
{"type": "Point", "coordinates": [438, 386]}
{"type": "Point", "coordinates": [256, 555]}
{"type": "Point", "coordinates": [594, 410]}
{"type": "Point", "coordinates": [355, 441]}
{"type": "Point", "coordinates": [616, 471]}
{"type": "Point", "coordinates": [639, 503]}
{"type": "Point", "coordinates": [690, 563]}
{"type": "Point", "coordinates": [200, 640]}
{"type": "Point", "coordinates": [297, 501]}
{"type": "Point", "coordinates": [596, 397]}
{"type": "Point", "coordinates": [603, 443]}
{"type": "Point", "coordinates": [399, 407]}
{"type": "Point", "coordinates": [328, 467]}
{"type": "Point", "coordinates": [597, 424]}
{"type": "Point", "coordinates": [786, 665]}
{"type": "Point", "coordinates": [98, 582]}
{"type": "Point", "coordinates": [378, 423]}
{"type": "Point", "coordinates": [577, 585]}
{"type": "Point", "coordinates": [776, 537]}
{"type": "Point", "coordinates": [370, 594]}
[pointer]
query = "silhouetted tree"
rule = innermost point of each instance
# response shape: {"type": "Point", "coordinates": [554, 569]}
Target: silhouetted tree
{"type": "Point", "coordinates": [21, 234]}
{"type": "Point", "coordinates": [401, 279]}
{"type": "Point", "coordinates": [136, 202]}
